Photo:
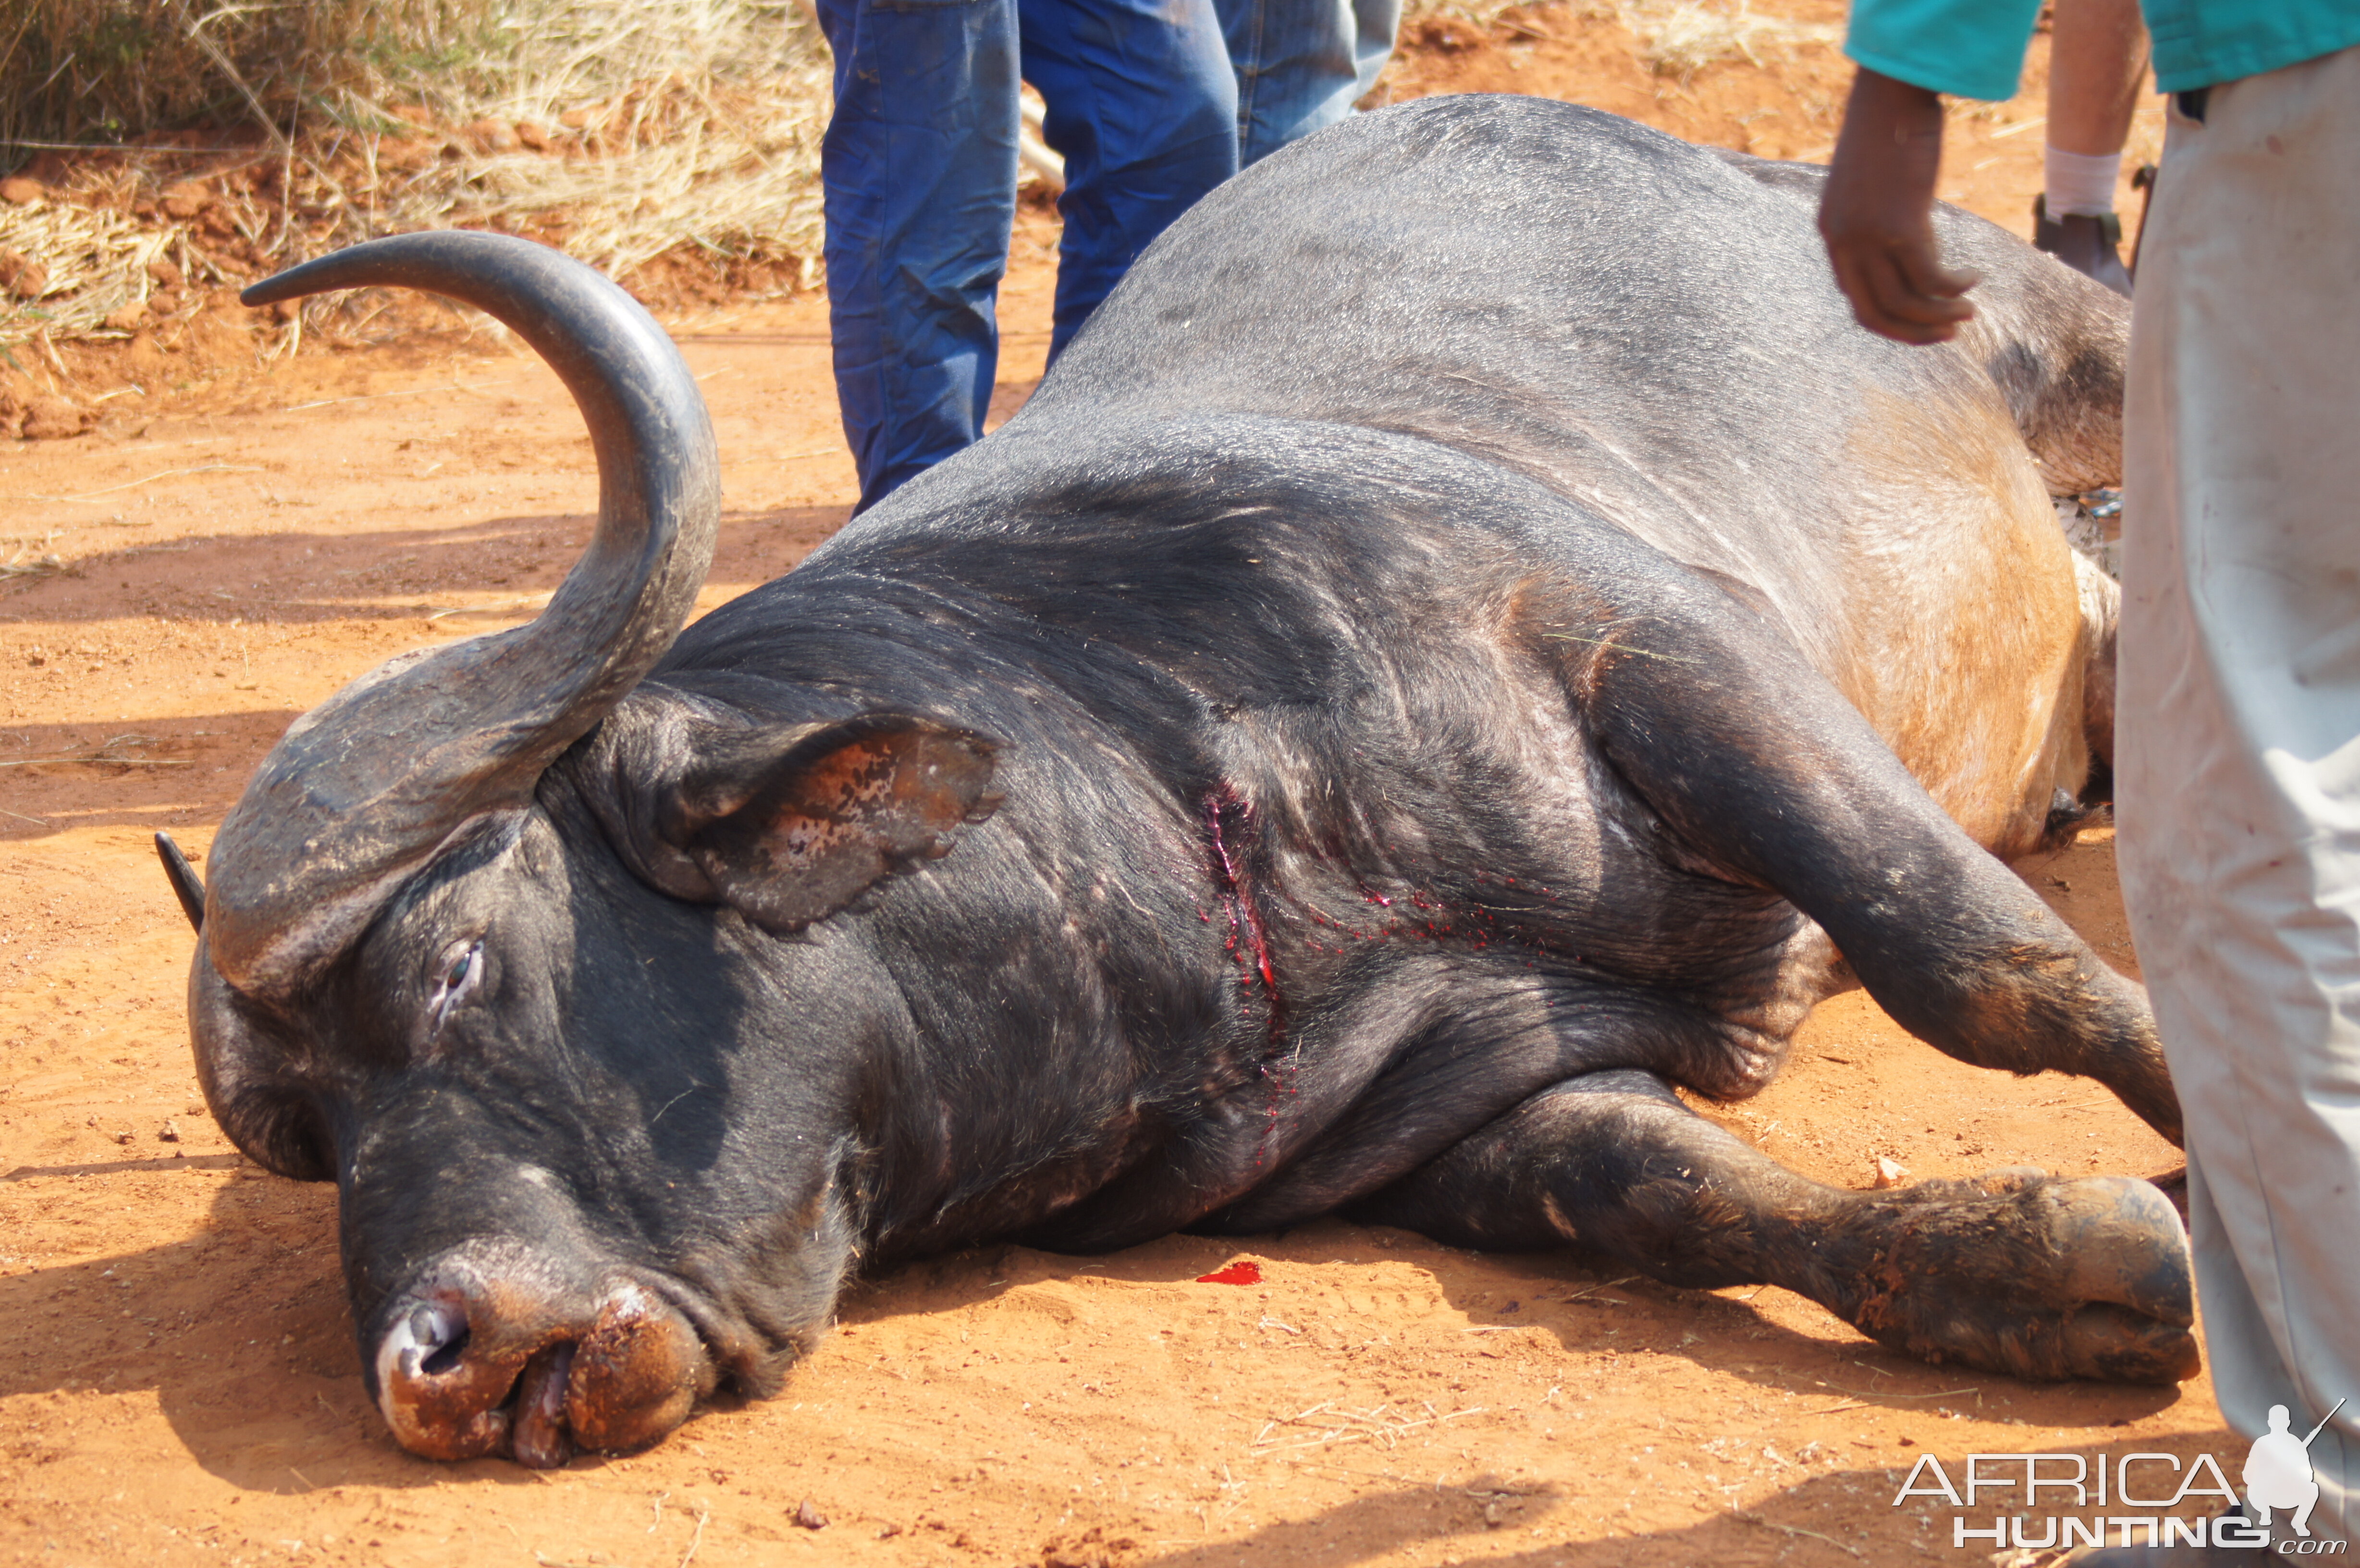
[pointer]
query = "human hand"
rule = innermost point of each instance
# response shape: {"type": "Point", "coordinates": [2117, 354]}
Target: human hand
{"type": "Point", "coordinates": [1876, 214]}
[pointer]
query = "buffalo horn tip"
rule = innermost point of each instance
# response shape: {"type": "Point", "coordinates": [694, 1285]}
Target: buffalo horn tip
{"type": "Point", "coordinates": [186, 885]}
{"type": "Point", "coordinates": [289, 283]}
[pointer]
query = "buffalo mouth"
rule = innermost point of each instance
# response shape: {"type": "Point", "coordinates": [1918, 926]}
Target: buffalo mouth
{"type": "Point", "coordinates": [470, 1367]}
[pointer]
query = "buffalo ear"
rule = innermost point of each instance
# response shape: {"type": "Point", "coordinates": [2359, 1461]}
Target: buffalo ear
{"type": "Point", "coordinates": [791, 823]}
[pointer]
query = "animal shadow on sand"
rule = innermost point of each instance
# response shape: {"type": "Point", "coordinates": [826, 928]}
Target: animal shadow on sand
{"type": "Point", "coordinates": [267, 1394]}
{"type": "Point", "coordinates": [314, 577]}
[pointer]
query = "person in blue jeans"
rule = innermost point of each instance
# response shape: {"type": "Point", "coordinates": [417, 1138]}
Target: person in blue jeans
{"type": "Point", "coordinates": [1151, 104]}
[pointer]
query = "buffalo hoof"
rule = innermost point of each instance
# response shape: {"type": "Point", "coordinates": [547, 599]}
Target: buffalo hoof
{"type": "Point", "coordinates": [468, 1369]}
{"type": "Point", "coordinates": [2042, 1279]}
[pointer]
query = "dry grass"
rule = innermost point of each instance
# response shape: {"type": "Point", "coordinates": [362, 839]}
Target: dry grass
{"type": "Point", "coordinates": [730, 169]}
{"type": "Point", "coordinates": [694, 122]}
{"type": "Point", "coordinates": [1676, 37]}
{"type": "Point", "coordinates": [31, 557]}
{"type": "Point", "coordinates": [116, 751]}
{"type": "Point", "coordinates": [1327, 1425]}
{"type": "Point", "coordinates": [92, 263]}
{"type": "Point", "coordinates": [1480, 14]}
{"type": "Point", "coordinates": [619, 128]}
{"type": "Point", "coordinates": [80, 72]}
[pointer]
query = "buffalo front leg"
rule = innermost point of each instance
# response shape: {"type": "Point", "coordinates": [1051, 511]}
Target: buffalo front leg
{"type": "Point", "coordinates": [1755, 763]}
{"type": "Point", "coordinates": [2012, 1272]}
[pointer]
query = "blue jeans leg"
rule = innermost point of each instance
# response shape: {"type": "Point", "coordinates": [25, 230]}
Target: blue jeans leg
{"type": "Point", "coordinates": [1302, 64]}
{"type": "Point", "coordinates": [918, 171]}
{"type": "Point", "coordinates": [1142, 105]}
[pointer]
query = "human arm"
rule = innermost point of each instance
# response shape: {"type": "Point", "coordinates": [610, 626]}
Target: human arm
{"type": "Point", "coordinates": [1877, 213]}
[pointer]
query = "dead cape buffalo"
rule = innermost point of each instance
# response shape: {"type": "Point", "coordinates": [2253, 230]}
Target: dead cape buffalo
{"type": "Point", "coordinates": [1471, 637]}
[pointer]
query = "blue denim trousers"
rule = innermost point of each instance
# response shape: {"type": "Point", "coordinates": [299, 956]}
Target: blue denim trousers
{"type": "Point", "coordinates": [1302, 64]}
{"type": "Point", "coordinates": [1150, 102]}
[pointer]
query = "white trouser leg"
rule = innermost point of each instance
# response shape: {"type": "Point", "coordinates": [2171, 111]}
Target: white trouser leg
{"type": "Point", "coordinates": [2238, 756]}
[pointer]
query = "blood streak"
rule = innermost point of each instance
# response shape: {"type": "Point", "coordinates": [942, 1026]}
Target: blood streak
{"type": "Point", "coordinates": [1245, 1271]}
{"type": "Point", "coordinates": [1225, 811]}
{"type": "Point", "coordinates": [1229, 827]}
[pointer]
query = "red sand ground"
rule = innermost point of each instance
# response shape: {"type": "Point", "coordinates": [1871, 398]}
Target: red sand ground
{"type": "Point", "coordinates": [177, 1378]}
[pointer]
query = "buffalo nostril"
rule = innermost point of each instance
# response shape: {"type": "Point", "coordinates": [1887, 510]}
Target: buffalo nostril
{"type": "Point", "coordinates": [430, 1340]}
{"type": "Point", "coordinates": [442, 1399]}
{"type": "Point", "coordinates": [446, 1357]}
{"type": "Point", "coordinates": [438, 1338]}
{"type": "Point", "coordinates": [426, 1324]}
{"type": "Point", "coordinates": [438, 1333]}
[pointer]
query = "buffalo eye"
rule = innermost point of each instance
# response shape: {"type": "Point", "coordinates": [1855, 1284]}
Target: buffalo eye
{"type": "Point", "coordinates": [457, 976]}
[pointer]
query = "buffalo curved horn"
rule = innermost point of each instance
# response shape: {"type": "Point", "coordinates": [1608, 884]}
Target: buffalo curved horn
{"type": "Point", "coordinates": [363, 788]}
{"type": "Point", "coordinates": [187, 886]}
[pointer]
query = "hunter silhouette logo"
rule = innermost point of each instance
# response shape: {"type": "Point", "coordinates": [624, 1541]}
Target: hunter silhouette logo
{"type": "Point", "coordinates": [2277, 1472]}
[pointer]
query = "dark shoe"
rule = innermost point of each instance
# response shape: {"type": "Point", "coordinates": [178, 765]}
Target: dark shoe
{"type": "Point", "coordinates": [2091, 245]}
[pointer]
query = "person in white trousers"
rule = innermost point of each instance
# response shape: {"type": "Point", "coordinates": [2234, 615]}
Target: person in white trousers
{"type": "Point", "coordinates": [2237, 746]}
{"type": "Point", "coordinates": [2237, 766]}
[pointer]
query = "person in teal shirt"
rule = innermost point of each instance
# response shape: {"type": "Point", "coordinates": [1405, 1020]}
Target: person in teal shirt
{"type": "Point", "coordinates": [2237, 744]}
{"type": "Point", "coordinates": [1912, 51]}
{"type": "Point", "coordinates": [1974, 49]}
